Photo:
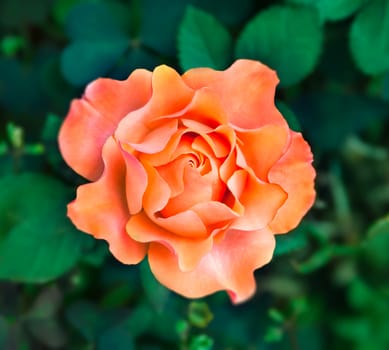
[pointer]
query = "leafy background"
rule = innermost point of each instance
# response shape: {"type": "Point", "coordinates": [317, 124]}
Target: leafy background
{"type": "Point", "coordinates": [327, 286]}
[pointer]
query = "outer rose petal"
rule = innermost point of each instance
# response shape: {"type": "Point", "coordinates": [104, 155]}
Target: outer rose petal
{"type": "Point", "coordinates": [295, 174]}
{"type": "Point", "coordinates": [228, 266]}
{"type": "Point", "coordinates": [92, 119]}
{"type": "Point", "coordinates": [246, 90]}
{"type": "Point", "coordinates": [101, 208]}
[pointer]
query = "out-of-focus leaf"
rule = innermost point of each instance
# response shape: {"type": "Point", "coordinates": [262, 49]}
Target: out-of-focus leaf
{"type": "Point", "coordinates": [61, 9]}
{"type": "Point", "coordinates": [21, 82]}
{"type": "Point", "coordinates": [47, 304]}
{"type": "Point", "coordinates": [229, 12]}
{"type": "Point", "coordinates": [199, 314]}
{"type": "Point", "coordinates": [48, 332]}
{"type": "Point", "coordinates": [292, 242]}
{"type": "Point", "coordinates": [377, 243]}
{"type": "Point", "coordinates": [320, 111]}
{"type": "Point", "coordinates": [201, 342]}
{"type": "Point", "coordinates": [86, 318]}
{"type": "Point", "coordinates": [385, 87]}
{"type": "Point", "coordinates": [289, 115]}
{"type": "Point", "coordinates": [118, 338]}
{"type": "Point", "coordinates": [288, 39]}
{"type": "Point", "coordinates": [3, 331]}
{"type": "Point", "coordinates": [333, 10]}
{"type": "Point", "coordinates": [18, 13]}
{"type": "Point", "coordinates": [137, 57]}
{"type": "Point", "coordinates": [37, 241]}
{"type": "Point", "coordinates": [203, 41]}
{"type": "Point", "coordinates": [155, 292]}
{"type": "Point", "coordinates": [369, 37]}
{"type": "Point", "coordinates": [97, 43]}
{"type": "Point", "coordinates": [157, 17]}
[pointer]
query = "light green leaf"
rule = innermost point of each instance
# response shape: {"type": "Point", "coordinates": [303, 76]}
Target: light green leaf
{"type": "Point", "coordinates": [369, 37]}
{"type": "Point", "coordinates": [203, 41]}
{"type": "Point", "coordinates": [288, 39]}
{"type": "Point", "coordinates": [37, 242]}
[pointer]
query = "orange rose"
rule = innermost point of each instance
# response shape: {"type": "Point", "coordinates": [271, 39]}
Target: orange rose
{"type": "Point", "coordinates": [197, 171]}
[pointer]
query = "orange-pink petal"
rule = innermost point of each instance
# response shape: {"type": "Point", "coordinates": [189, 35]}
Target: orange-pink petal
{"type": "Point", "coordinates": [100, 208]}
{"type": "Point", "coordinates": [262, 148]}
{"type": "Point", "coordinates": [188, 251]}
{"type": "Point", "coordinates": [295, 174]}
{"type": "Point", "coordinates": [228, 266]}
{"type": "Point", "coordinates": [260, 200]}
{"type": "Point", "coordinates": [246, 90]}
{"type": "Point", "coordinates": [92, 119]}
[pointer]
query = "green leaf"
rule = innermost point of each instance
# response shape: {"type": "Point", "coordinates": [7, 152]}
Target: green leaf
{"type": "Point", "coordinates": [289, 115]}
{"type": "Point", "coordinates": [320, 111]}
{"type": "Point", "coordinates": [37, 242]}
{"type": "Point", "coordinates": [156, 293]}
{"type": "Point", "coordinates": [377, 243]}
{"type": "Point", "coordinates": [203, 41]}
{"type": "Point", "coordinates": [118, 338]}
{"type": "Point", "coordinates": [199, 314]}
{"type": "Point", "coordinates": [369, 37]}
{"type": "Point", "coordinates": [157, 17]}
{"type": "Point", "coordinates": [288, 39]}
{"type": "Point", "coordinates": [229, 12]}
{"type": "Point", "coordinates": [292, 242]}
{"type": "Point", "coordinates": [201, 342]}
{"type": "Point", "coordinates": [333, 10]}
{"type": "Point", "coordinates": [97, 43]}
{"type": "Point", "coordinates": [82, 62]}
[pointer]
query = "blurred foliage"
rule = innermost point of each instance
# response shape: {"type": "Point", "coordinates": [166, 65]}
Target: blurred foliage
{"type": "Point", "coordinates": [327, 286]}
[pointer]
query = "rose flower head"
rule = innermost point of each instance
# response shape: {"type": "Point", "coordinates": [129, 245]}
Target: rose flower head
{"type": "Point", "coordinates": [198, 172]}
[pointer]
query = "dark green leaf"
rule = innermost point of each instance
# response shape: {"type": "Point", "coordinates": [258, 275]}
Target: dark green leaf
{"type": "Point", "coordinates": [369, 37]}
{"type": "Point", "coordinates": [293, 241]}
{"type": "Point", "coordinates": [155, 292]}
{"type": "Point", "coordinates": [203, 41]}
{"type": "Point", "coordinates": [320, 111]}
{"type": "Point", "coordinates": [83, 61]}
{"type": "Point", "coordinates": [157, 17]}
{"type": "Point", "coordinates": [289, 115]}
{"type": "Point", "coordinates": [98, 43]}
{"type": "Point", "coordinates": [288, 39]}
{"type": "Point", "coordinates": [118, 338]}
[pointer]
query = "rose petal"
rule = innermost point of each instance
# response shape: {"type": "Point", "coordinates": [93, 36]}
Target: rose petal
{"type": "Point", "coordinates": [92, 119]}
{"type": "Point", "coordinates": [228, 266]}
{"type": "Point", "coordinates": [197, 189]}
{"type": "Point", "coordinates": [157, 139]}
{"type": "Point", "coordinates": [136, 182]}
{"type": "Point", "coordinates": [295, 174]}
{"type": "Point", "coordinates": [260, 200]}
{"type": "Point", "coordinates": [262, 147]}
{"type": "Point", "coordinates": [100, 208]}
{"type": "Point", "coordinates": [169, 95]}
{"type": "Point", "coordinates": [246, 90]}
{"type": "Point", "coordinates": [188, 251]}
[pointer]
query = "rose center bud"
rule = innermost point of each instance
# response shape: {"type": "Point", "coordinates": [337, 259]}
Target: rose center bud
{"type": "Point", "coordinates": [192, 177]}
